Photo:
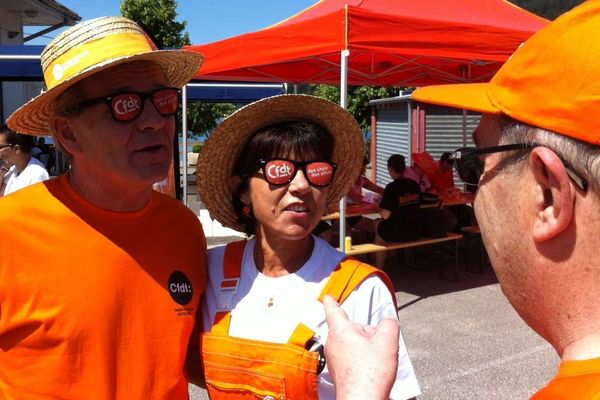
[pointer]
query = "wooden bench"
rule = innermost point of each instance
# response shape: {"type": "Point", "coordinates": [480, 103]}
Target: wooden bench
{"type": "Point", "coordinates": [365, 248]}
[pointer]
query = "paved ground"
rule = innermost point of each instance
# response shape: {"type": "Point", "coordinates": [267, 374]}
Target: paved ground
{"type": "Point", "coordinates": [465, 340]}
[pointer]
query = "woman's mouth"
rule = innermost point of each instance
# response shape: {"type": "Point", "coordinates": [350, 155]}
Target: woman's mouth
{"type": "Point", "coordinates": [297, 208]}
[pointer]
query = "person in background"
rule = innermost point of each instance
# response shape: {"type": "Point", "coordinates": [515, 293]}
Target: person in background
{"type": "Point", "coordinates": [24, 170]}
{"type": "Point", "coordinates": [270, 170]}
{"type": "Point", "coordinates": [442, 179]}
{"type": "Point", "coordinates": [422, 163]}
{"type": "Point", "coordinates": [538, 201]}
{"type": "Point", "coordinates": [355, 195]}
{"type": "Point", "coordinates": [359, 224]}
{"type": "Point", "coordinates": [4, 167]}
{"type": "Point", "coordinates": [399, 208]}
{"type": "Point", "coordinates": [39, 148]}
{"type": "Point", "coordinates": [101, 276]}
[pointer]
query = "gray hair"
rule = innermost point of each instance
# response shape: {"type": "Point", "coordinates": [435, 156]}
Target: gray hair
{"type": "Point", "coordinates": [65, 105]}
{"type": "Point", "coordinates": [582, 157]}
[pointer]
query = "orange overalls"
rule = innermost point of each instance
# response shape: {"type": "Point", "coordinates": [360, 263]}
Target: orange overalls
{"type": "Point", "coordinates": [237, 368]}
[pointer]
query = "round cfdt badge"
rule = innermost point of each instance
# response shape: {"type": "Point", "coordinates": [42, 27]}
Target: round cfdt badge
{"type": "Point", "coordinates": [180, 288]}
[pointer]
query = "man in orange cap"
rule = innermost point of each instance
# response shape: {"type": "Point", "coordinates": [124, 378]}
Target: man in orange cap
{"type": "Point", "coordinates": [537, 163]}
{"type": "Point", "coordinates": [100, 276]}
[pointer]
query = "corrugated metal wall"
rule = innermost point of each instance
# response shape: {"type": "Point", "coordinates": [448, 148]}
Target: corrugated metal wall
{"type": "Point", "coordinates": [446, 129]}
{"type": "Point", "coordinates": [393, 137]}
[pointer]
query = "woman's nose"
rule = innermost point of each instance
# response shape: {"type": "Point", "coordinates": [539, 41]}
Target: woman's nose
{"type": "Point", "coordinates": [299, 183]}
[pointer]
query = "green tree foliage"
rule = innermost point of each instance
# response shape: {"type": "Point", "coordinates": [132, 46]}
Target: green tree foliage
{"type": "Point", "coordinates": [158, 18]}
{"type": "Point", "coordinates": [358, 97]}
{"type": "Point", "coordinates": [549, 9]}
{"type": "Point", "coordinates": [203, 117]}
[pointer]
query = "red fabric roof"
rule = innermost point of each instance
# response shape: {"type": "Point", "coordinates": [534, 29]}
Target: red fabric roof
{"type": "Point", "coordinates": [391, 42]}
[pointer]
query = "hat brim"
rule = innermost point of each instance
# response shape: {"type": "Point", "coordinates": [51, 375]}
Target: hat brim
{"type": "Point", "coordinates": [468, 96]}
{"type": "Point", "coordinates": [222, 149]}
{"type": "Point", "coordinates": [178, 66]}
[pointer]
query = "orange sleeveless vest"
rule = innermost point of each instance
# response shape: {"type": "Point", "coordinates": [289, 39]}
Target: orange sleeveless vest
{"type": "Point", "coordinates": [237, 368]}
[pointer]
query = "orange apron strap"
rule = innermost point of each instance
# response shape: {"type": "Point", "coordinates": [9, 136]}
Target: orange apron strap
{"type": "Point", "coordinates": [348, 276]}
{"type": "Point", "coordinates": [221, 324]}
{"type": "Point", "coordinates": [301, 335]}
{"type": "Point", "coordinates": [232, 260]}
{"type": "Point", "coordinates": [232, 268]}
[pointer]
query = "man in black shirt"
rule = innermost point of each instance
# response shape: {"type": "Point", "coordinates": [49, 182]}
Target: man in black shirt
{"type": "Point", "coordinates": [399, 208]}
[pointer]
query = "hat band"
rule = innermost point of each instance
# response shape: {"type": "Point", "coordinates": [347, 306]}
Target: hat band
{"type": "Point", "coordinates": [92, 53]}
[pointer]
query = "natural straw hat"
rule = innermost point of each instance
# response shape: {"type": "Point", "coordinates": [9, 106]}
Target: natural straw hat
{"type": "Point", "coordinates": [222, 149]}
{"type": "Point", "coordinates": [552, 81]}
{"type": "Point", "coordinates": [88, 48]}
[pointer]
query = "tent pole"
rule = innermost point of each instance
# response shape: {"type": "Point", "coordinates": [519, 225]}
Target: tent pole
{"type": "Point", "coordinates": [344, 104]}
{"type": "Point", "coordinates": [184, 129]}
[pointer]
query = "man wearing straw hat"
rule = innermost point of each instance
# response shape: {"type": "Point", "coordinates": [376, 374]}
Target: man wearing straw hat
{"type": "Point", "coordinates": [100, 282]}
{"type": "Point", "coordinates": [538, 201]}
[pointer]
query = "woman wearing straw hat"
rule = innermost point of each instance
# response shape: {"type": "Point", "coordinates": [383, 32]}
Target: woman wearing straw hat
{"type": "Point", "coordinates": [270, 170]}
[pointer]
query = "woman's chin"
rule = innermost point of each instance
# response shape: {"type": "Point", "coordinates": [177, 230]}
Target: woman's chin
{"type": "Point", "coordinates": [290, 234]}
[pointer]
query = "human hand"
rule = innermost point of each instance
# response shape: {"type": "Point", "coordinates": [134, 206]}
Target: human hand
{"type": "Point", "coordinates": [362, 359]}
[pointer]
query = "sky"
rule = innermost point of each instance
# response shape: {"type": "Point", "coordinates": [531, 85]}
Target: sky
{"type": "Point", "coordinates": [207, 20]}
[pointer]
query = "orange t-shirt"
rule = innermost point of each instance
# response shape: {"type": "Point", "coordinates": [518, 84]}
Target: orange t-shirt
{"type": "Point", "coordinates": [93, 303]}
{"type": "Point", "coordinates": [576, 380]}
{"type": "Point", "coordinates": [441, 181]}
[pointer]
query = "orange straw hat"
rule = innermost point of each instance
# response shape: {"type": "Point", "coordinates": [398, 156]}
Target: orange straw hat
{"type": "Point", "coordinates": [552, 81]}
{"type": "Point", "coordinates": [88, 48]}
{"type": "Point", "coordinates": [221, 151]}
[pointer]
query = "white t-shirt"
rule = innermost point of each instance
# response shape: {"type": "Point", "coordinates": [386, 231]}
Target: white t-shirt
{"type": "Point", "coordinates": [294, 299]}
{"type": "Point", "coordinates": [34, 172]}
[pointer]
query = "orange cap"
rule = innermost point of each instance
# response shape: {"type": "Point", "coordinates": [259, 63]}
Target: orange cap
{"type": "Point", "coordinates": [552, 81]}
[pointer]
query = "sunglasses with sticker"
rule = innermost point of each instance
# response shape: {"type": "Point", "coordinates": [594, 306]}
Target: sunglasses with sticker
{"type": "Point", "coordinates": [281, 171]}
{"type": "Point", "coordinates": [127, 106]}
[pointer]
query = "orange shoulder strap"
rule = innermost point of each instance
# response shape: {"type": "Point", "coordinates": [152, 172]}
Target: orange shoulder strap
{"type": "Point", "coordinates": [232, 260]}
{"type": "Point", "coordinates": [232, 268]}
{"type": "Point", "coordinates": [348, 275]}
{"type": "Point", "coordinates": [301, 335]}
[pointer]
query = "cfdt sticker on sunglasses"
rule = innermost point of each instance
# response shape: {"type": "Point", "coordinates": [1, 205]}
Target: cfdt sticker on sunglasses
{"type": "Point", "coordinates": [279, 171]}
{"type": "Point", "coordinates": [319, 173]}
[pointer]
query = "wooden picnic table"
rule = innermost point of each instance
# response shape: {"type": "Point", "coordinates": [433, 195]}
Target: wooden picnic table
{"type": "Point", "coordinates": [360, 209]}
{"type": "Point", "coordinates": [354, 210]}
{"type": "Point", "coordinates": [463, 198]}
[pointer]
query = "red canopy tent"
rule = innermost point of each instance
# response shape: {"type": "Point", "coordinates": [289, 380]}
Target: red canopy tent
{"type": "Point", "coordinates": [390, 43]}
{"type": "Point", "coordinates": [375, 42]}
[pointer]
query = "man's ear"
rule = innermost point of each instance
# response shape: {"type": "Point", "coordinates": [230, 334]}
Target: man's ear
{"type": "Point", "coordinates": [65, 135]}
{"type": "Point", "coordinates": [555, 195]}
